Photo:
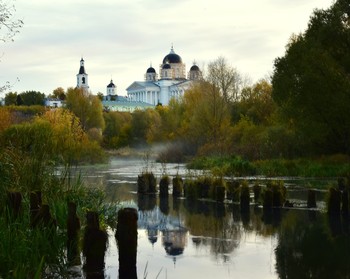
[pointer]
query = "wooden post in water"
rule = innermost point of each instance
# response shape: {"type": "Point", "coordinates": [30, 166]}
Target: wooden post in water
{"type": "Point", "coordinates": [311, 198]}
{"type": "Point", "coordinates": [177, 186]}
{"type": "Point", "coordinates": [334, 201]}
{"type": "Point", "coordinates": [152, 183]}
{"type": "Point", "coordinates": [126, 236]}
{"type": "Point", "coordinates": [94, 245]}
{"type": "Point", "coordinates": [142, 184]}
{"type": "Point", "coordinates": [268, 199]}
{"type": "Point", "coordinates": [73, 227]}
{"type": "Point", "coordinates": [164, 186]}
{"type": "Point", "coordinates": [257, 192]}
{"type": "Point", "coordinates": [245, 198]}
{"type": "Point", "coordinates": [220, 193]}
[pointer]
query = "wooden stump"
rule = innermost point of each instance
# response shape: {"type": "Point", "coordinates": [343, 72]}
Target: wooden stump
{"type": "Point", "coordinates": [164, 186]}
{"type": "Point", "coordinates": [177, 186]}
{"type": "Point", "coordinates": [73, 227]}
{"type": "Point", "coordinates": [126, 236]}
{"type": "Point", "coordinates": [245, 198]}
{"type": "Point", "coordinates": [311, 199]}
{"type": "Point", "coordinates": [94, 244]}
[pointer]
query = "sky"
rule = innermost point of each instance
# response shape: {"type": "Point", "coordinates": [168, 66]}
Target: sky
{"type": "Point", "coordinates": [120, 39]}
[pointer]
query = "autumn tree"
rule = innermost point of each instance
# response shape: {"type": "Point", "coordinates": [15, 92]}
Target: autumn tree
{"type": "Point", "coordinates": [311, 82]}
{"type": "Point", "coordinates": [206, 118]}
{"type": "Point", "coordinates": [86, 107]}
{"type": "Point", "coordinates": [225, 78]}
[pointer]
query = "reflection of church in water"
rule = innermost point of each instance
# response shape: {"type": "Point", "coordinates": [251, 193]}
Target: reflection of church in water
{"type": "Point", "coordinates": [171, 83]}
{"type": "Point", "coordinates": [169, 228]}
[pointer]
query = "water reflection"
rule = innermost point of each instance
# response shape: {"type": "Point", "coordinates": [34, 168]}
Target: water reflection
{"type": "Point", "coordinates": [313, 247]}
{"type": "Point", "coordinates": [309, 244]}
{"type": "Point", "coordinates": [218, 240]}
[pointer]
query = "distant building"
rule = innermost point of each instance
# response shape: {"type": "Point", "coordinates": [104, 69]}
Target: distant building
{"type": "Point", "coordinates": [172, 82]}
{"type": "Point", "coordinates": [53, 103]}
{"type": "Point", "coordinates": [82, 76]}
{"type": "Point", "coordinates": [141, 95]}
{"type": "Point", "coordinates": [113, 102]}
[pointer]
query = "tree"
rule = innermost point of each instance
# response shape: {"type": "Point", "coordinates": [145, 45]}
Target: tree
{"type": "Point", "coordinates": [256, 102]}
{"type": "Point", "coordinates": [86, 107]}
{"type": "Point", "coordinates": [31, 98]}
{"type": "Point", "coordinates": [59, 93]}
{"type": "Point", "coordinates": [11, 99]}
{"type": "Point", "coordinates": [225, 78]}
{"type": "Point", "coordinates": [116, 132]}
{"type": "Point", "coordinates": [145, 126]}
{"type": "Point", "coordinates": [9, 27]}
{"type": "Point", "coordinates": [311, 83]}
{"type": "Point", "coordinates": [206, 118]}
{"type": "Point", "coordinates": [100, 96]}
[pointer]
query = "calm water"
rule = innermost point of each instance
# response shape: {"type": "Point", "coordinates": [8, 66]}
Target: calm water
{"type": "Point", "coordinates": [182, 239]}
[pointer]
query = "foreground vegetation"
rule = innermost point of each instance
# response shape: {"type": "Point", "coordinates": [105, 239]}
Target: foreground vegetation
{"type": "Point", "coordinates": [34, 149]}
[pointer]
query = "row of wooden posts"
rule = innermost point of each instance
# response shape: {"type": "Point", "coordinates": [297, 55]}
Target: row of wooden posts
{"type": "Point", "coordinates": [95, 238]}
{"type": "Point", "coordinates": [271, 196]}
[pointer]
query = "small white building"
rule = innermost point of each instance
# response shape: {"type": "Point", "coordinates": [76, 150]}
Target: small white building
{"type": "Point", "coordinates": [53, 103]}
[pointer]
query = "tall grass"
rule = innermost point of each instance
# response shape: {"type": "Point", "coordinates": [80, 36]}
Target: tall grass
{"type": "Point", "coordinates": [27, 251]}
{"type": "Point", "coordinates": [330, 166]}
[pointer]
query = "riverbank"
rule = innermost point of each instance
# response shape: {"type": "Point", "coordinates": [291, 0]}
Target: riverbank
{"type": "Point", "coordinates": [327, 166]}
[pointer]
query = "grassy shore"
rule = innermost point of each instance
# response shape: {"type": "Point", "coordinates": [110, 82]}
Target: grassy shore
{"type": "Point", "coordinates": [328, 166]}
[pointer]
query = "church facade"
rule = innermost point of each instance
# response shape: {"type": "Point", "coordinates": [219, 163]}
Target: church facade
{"type": "Point", "coordinates": [171, 83]}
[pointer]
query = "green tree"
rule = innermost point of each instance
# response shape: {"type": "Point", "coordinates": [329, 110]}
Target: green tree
{"type": "Point", "coordinates": [31, 98]}
{"type": "Point", "coordinates": [59, 93]}
{"type": "Point", "coordinates": [100, 96]}
{"type": "Point", "coordinates": [11, 98]}
{"type": "Point", "coordinates": [86, 107]}
{"type": "Point", "coordinates": [145, 126]}
{"type": "Point", "coordinates": [311, 83]}
{"type": "Point", "coordinates": [256, 102]}
{"type": "Point", "coordinates": [116, 132]}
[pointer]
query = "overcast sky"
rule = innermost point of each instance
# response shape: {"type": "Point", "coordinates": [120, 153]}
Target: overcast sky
{"type": "Point", "coordinates": [119, 39]}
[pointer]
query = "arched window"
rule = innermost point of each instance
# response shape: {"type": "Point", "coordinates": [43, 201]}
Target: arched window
{"type": "Point", "coordinates": [83, 79]}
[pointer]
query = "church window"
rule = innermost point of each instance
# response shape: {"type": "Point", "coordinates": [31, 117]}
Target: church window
{"type": "Point", "coordinates": [83, 79]}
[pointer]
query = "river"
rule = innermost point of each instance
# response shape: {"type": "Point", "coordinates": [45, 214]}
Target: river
{"type": "Point", "coordinates": [204, 239]}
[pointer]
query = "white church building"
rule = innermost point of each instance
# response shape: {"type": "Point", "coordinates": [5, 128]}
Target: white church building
{"type": "Point", "coordinates": [171, 83]}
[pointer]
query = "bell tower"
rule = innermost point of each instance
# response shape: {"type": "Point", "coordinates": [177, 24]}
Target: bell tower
{"type": "Point", "coordinates": [82, 76]}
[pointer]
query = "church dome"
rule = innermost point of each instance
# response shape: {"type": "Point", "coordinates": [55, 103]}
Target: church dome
{"type": "Point", "coordinates": [166, 66]}
{"type": "Point", "coordinates": [151, 70]}
{"type": "Point", "coordinates": [172, 57]}
{"type": "Point", "coordinates": [194, 68]}
{"type": "Point", "coordinates": [111, 85]}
